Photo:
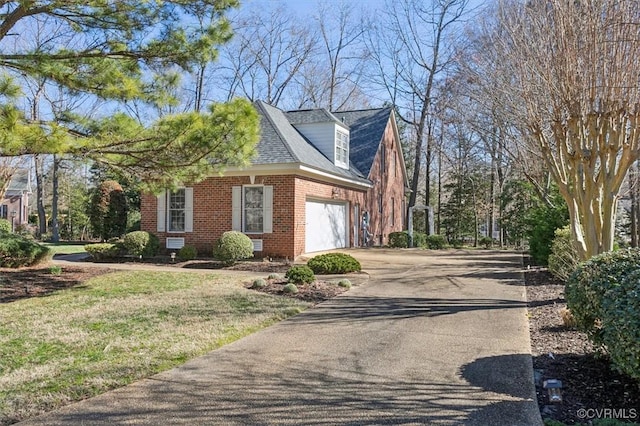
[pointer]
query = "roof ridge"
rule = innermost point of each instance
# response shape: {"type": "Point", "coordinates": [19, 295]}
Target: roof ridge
{"type": "Point", "coordinates": [362, 110]}
{"type": "Point", "coordinates": [284, 140]}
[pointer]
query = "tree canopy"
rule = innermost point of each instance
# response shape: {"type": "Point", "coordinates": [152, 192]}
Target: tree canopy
{"type": "Point", "coordinates": [120, 52]}
{"type": "Point", "coordinates": [569, 74]}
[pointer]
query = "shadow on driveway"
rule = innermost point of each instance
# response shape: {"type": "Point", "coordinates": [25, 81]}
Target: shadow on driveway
{"type": "Point", "coordinates": [356, 309]}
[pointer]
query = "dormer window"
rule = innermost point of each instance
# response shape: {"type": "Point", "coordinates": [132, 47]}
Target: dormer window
{"type": "Point", "coordinates": [342, 149]}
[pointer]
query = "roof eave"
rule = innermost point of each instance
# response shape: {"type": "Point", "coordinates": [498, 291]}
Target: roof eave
{"type": "Point", "coordinates": [297, 169]}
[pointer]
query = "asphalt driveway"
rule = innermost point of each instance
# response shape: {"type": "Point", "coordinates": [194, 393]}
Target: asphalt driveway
{"type": "Point", "coordinates": [432, 338]}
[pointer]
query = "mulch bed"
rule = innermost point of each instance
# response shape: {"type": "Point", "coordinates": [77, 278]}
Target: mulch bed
{"type": "Point", "coordinates": [16, 284]}
{"type": "Point", "coordinates": [316, 292]}
{"type": "Point", "coordinates": [560, 352]}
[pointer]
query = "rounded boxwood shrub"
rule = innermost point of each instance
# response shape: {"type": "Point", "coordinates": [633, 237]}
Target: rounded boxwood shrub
{"type": "Point", "coordinates": [17, 251]}
{"type": "Point", "coordinates": [345, 283]}
{"type": "Point", "coordinates": [334, 263]}
{"type": "Point", "coordinates": [593, 280]}
{"type": "Point", "coordinates": [233, 246]}
{"type": "Point", "coordinates": [258, 283]}
{"type": "Point", "coordinates": [187, 253]}
{"type": "Point", "coordinates": [436, 242]}
{"type": "Point", "coordinates": [290, 288]}
{"type": "Point", "coordinates": [5, 226]}
{"type": "Point", "coordinates": [141, 243]}
{"type": "Point", "coordinates": [274, 276]}
{"type": "Point", "coordinates": [102, 251]}
{"type": "Point", "coordinates": [399, 239]}
{"type": "Point", "coordinates": [300, 274]}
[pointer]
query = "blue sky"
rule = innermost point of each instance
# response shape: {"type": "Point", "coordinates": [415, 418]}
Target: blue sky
{"type": "Point", "coordinates": [307, 7]}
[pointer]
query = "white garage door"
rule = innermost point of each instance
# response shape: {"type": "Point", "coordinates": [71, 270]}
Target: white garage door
{"type": "Point", "coordinates": [326, 226]}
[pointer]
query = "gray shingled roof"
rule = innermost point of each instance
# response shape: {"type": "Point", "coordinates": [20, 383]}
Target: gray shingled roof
{"type": "Point", "coordinates": [281, 143]}
{"type": "Point", "coordinates": [367, 128]}
{"type": "Point", "coordinates": [308, 116]}
{"type": "Point", "coordinates": [20, 182]}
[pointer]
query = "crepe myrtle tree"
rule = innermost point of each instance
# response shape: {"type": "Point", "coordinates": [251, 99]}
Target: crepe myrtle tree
{"type": "Point", "coordinates": [124, 51]}
{"type": "Point", "coordinates": [575, 91]}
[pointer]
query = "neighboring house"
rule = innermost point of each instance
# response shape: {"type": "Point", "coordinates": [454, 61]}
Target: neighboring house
{"type": "Point", "coordinates": [315, 177]}
{"type": "Point", "coordinates": [15, 204]}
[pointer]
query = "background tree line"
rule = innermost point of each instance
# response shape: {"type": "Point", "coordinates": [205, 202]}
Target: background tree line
{"type": "Point", "coordinates": [477, 143]}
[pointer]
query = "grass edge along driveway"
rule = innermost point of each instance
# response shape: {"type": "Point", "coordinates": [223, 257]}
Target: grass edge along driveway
{"type": "Point", "coordinates": [117, 328]}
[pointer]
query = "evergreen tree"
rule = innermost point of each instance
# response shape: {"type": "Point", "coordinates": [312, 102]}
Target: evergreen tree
{"type": "Point", "coordinates": [123, 52]}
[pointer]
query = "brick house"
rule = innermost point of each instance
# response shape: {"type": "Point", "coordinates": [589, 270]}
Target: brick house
{"type": "Point", "coordinates": [319, 181]}
{"type": "Point", "coordinates": [15, 205]}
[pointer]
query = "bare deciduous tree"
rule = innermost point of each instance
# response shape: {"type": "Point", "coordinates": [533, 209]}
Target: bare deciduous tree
{"type": "Point", "coordinates": [268, 50]}
{"type": "Point", "coordinates": [577, 95]}
{"type": "Point", "coordinates": [409, 50]}
{"type": "Point", "coordinates": [332, 79]}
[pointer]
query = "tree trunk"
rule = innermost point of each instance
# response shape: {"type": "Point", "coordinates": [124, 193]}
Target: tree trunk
{"type": "Point", "coordinates": [55, 229]}
{"type": "Point", "coordinates": [634, 220]}
{"type": "Point", "coordinates": [42, 214]}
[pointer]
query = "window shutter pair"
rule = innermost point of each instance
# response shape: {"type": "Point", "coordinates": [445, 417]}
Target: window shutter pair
{"type": "Point", "coordinates": [236, 209]}
{"type": "Point", "coordinates": [162, 211]}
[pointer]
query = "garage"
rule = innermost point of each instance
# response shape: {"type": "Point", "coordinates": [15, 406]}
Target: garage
{"type": "Point", "coordinates": [326, 225]}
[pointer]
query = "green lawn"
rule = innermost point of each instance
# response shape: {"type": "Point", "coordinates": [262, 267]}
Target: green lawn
{"type": "Point", "coordinates": [118, 328]}
{"type": "Point", "coordinates": [65, 248]}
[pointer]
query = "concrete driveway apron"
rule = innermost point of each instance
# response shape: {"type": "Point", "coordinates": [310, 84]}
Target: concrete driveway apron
{"type": "Point", "coordinates": [432, 338]}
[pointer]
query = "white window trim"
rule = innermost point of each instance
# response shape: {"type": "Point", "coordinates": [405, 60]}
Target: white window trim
{"type": "Point", "coordinates": [338, 146]}
{"type": "Point", "coordinates": [244, 210]}
{"type": "Point", "coordinates": [163, 216]}
{"type": "Point", "coordinates": [238, 209]}
{"type": "Point", "coordinates": [173, 231]}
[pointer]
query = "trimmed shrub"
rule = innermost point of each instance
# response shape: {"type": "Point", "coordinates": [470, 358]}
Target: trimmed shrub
{"type": "Point", "coordinates": [233, 246]}
{"type": "Point", "coordinates": [542, 221]}
{"type": "Point", "coordinates": [621, 324]}
{"type": "Point", "coordinates": [456, 243]}
{"type": "Point", "coordinates": [591, 282]}
{"type": "Point", "coordinates": [300, 274]}
{"type": "Point", "coordinates": [274, 276]}
{"type": "Point", "coordinates": [436, 242]}
{"type": "Point", "coordinates": [290, 288]}
{"type": "Point", "coordinates": [5, 226]}
{"type": "Point", "coordinates": [187, 253]}
{"type": "Point", "coordinates": [17, 251]}
{"type": "Point", "coordinates": [345, 283]}
{"type": "Point", "coordinates": [334, 263]}
{"type": "Point", "coordinates": [102, 251]}
{"type": "Point", "coordinates": [141, 243]}
{"type": "Point", "coordinates": [399, 239]}
{"type": "Point", "coordinates": [420, 240]}
{"type": "Point", "coordinates": [258, 283]}
{"type": "Point", "coordinates": [563, 259]}
{"type": "Point", "coordinates": [486, 242]}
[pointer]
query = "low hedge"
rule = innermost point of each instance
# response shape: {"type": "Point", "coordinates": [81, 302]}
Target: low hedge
{"type": "Point", "coordinates": [603, 295]}
{"type": "Point", "coordinates": [103, 251]}
{"type": "Point", "coordinates": [17, 251]}
{"type": "Point", "coordinates": [334, 263]}
{"type": "Point", "coordinates": [401, 239]}
{"type": "Point", "coordinates": [436, 242]}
